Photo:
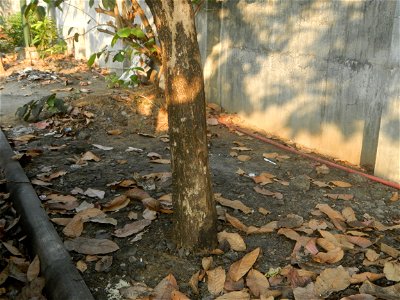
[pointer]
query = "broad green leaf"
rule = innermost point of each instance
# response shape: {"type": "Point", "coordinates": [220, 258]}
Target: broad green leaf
{"type": "Point", "coordinates": [124, 32]}
{"type": "Point", "coordinates": [40, 12]}
{"type": "Point", "coordinates": [69, 30]}
{"type": "Point", "coordinates": [119, 57]}
{"type": "Point", "coordinates": [114, 40]}
{"type": "Point", "coordinates": [91, 60]}
{"type": "Point", "coordinates": [137, 32]}
{"type": "Point", "coordinates": [91, 3]}
{"type": "Point", "coordinates": [108, 4]}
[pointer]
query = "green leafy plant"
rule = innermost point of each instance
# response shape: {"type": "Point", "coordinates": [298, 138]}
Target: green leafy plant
{"type": "Point", "coordinates": [44, 34]}
{"type": "Point", "coordinates": [32, 111]}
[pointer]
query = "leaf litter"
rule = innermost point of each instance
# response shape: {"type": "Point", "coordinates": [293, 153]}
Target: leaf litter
{"type": "Point", "coordinates": [317, 242]}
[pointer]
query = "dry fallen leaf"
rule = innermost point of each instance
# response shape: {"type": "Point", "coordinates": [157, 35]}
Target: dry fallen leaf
{"type": "Point", "coordinates": [137, 290]}
{"type": "Point", "coordinates": [257, 282]}
{"type": "Point", "coordinates": [13, 250]}
{"type": "Point", "coordinates": [91, 246]}
{"type": "Point", "coordinates": [137, 194]}
{"type": "Point", "coordinates": [161, 161]}
{"type": "Point", "coordinates": [390, 250]}
{"type": "Point", "coordinates": [149, 214]}
{"type": "Point", "coordinates": [345, 197]}
{"type": "Point", "coordinates": [306, 293]}
{"type": "Point", "coordinates": [392, 271]}
{"type": "Point", "coordinates": [114, 132]}
{"type": "Point", "coordinates": [237, 295]}
{"type": "Point", "coordinates": [240, 172]}
{"type": "Point", "coordinates": [264, 178]}
{"type": "Point", "coordinates": [239, 268]}
{"type": "Point", "coordinates": [55, 198]}
{"type": "Point", "coordinates": [75, 227]}
{"type": "Point", "coordinates": [235, 204]}
{"type": "Point", "coordinates": [165, 287]}
{"type": "Point", "coordinates": [177, 295]}
{"type": "Point", "coordinates": [371, 255]}
{"type": "Point", "coordinates": [89, 155]}
{"type": "Point", "coordinates": [341, 184]}
{"type": "Point", "coordinates": [206, 262]}
{"type": "Point", "coordinates": [104, 263]}
{"type": "Point", "coordinates": [332, 280]}
{"type": "Point", "coordinates": [394, 197]}
{"type": "Point", "coordinates": [242, 148]}
{"type": "Point", "coordinates": [263, 211]}
{"type": "Point", "coordinates": [266, 192]}
{"type": "Point", "coordinates": [81, 266]}
{"type": "Point", "coordinates": [92, 193]}
{"type": "Point", "coordinates": [349, 214]}
{"type": "Point", "coordinates": [215, 280]}
{"type": "Point", "coordinates": [244, 157]}
{"type": "Point", "coordinates": [194, 282]}
{"type": "Point", "coordinates": [290, 221]}
{"type": "Point", "coordinates": [359, 297]}
{"type": "Point", "coordinates": [389, 293]}
{"type": "Point", "coordinates": [236, 223]}
{"type": "Point", "coordinates": [235, 241]}
{"type": "Point", "coordinates": [330, 212]}
{"type": "Point", "coordinates": [117, 203]}
{"type": "Point", "coordinates": [132, 228]}
{"type": "Point", "coordinates": [361, 277]}
{"type": "Point", "coordinates": [320, 184]}
{"type": "Point", "coordinates": [33, 269]}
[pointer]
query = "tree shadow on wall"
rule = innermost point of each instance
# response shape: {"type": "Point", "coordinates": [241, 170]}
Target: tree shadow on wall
{"type": "Point", "coordinates": [313, 65]}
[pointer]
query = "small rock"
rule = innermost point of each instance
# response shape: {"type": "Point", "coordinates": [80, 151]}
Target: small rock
{"type": "Point", "coordinates": [301, 182]}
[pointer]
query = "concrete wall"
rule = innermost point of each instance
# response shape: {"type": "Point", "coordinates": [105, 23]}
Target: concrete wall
{"type": "Point", "coordinates": [8, 7]}
{"type": "Point", "coordinates": [322, 73]}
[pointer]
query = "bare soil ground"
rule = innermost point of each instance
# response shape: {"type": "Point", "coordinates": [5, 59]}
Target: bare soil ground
{"type": "Point", "coordinates": [321, 233]}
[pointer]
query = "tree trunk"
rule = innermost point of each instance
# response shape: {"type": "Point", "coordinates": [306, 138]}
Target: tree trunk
{"type": "Point", "coordinates": [195, 213]}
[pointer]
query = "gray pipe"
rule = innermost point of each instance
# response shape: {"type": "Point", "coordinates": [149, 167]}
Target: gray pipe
{"type": "Point", "coordinates": [63, 280]}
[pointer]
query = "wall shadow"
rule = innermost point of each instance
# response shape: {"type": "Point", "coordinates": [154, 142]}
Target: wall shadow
{"type": "Point", "coordinates": [315, 70]}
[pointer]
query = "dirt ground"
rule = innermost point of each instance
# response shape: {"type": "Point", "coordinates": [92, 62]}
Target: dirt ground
{"type": "Point", "coordinates": [304, 203]}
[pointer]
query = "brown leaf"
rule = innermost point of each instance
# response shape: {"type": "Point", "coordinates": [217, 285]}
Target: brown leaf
{"type": "Point", "coordinates": [114, 132]}
{"type": "Point", "coordinates": [61, 221]}
{"type": "Point", "coordinates": [56, 198]}
{"type": "Point", "coordinates": [235, 204]}
{"type": "Point", "coordinates": [236, 223]}
{"type": "Point", "coordinates": [392, 271]}
{"type": "Point", "coordinates": [154, 155]}
{"type": "Point", "coordinates": [137, 194]}
{"type": "Point", "coordinates": [341, 184]}
{"type": "Point", "coordinates": [332, 280]}
{"type": "Point", "coordinates": [194, 282]}
{"type": "Point", "coordinates": [88, 156]}
{"type": "Point", "coordinates": [244, 157]}
{"type": "Point", "coordinates": [137, 290]}
{"type": "Point", "coordinates": [165, 287]}
{"type": "Point", "coordinates": [237, 295]}
{"type": "Point", "coordinates": [90, 246]}
{"type": "Point", "coordinates": [267, 228]}
{"type": "Point", "coordinates": [264, 178]}
{"type": "Point", "coordinates": [231, 285]}
{"type": "Point", "coordinates": [330, 212]}
{"type": "Point", "coordinates": [206, 262]}
{"type": "Point", "coordinates": [389, 293]}
{"type": "Point", "coordinates": [333, 256]}
{"type": "Point", "coordinates": [345, 197]}
{"type": "Point", "coordinates": [320, 184]}
{"type": "Point", "coordinates": [306, 293]}
{"type": "Point", "coordinates": [371, 255]}
{"type": "Point", "coordinates": [40, 182]}
{"type": "Point", "coordinates": [117, 203]}
{"type": "Point", "coordinates": [291, 221]}
{"type": "Point", "coordinates": [390, 250]}
{"type": "Point", "coordinates": [161, 161]}
{"type": "Point", "coordinates": [394, 197]}
{"type": "Point", "coordinates": [151, 203]}
{"type": "Point", "coordinates": [25, 138]}
{"type": "Point", "coordinates": [81, 266]}
{"type": "Point", "coordinates": [215, 280]}
{"type": "Point", "coordinates": [13, 250]}
{"type": "Point", "coordinates": [241, 148]}
{"type": "Point", "coordinates": [359, 297]}
{"type": "Point", "coordinates": [104, 263]}
{"type": "Point", "coordinates": [177, 295]}
{"type": "Point", "coordinates": [257, 282]}
{"type": "Point", "coordinates": [239, 268]}
{"type": "Point", "coordinates": [235, 241]}
{"type": "Point", "coordinates": [149, 214]}
{"type": "Point", "coordinates": [240, 172]}
{"type": "Point", "coordinates": [266, 192]}
{"type": "Point", "coordinates": [132, 228]}
{"type": "Point", "coordinates": [349, 214]}
{"type": "Point", "coordinates": [317, 224]}
{"type": "Point", "coordinates": [263, 211]}
{"type": "Point", "coordinates": [290, 234]}
{"type": "Point", "coordinates": [75, 227]}
{"type": "Point", "coordinates": [358, 240]}
{"type": "Point", "coordinates": [361, 277]}
{"type": "Point", "coordinates": [33, 269]}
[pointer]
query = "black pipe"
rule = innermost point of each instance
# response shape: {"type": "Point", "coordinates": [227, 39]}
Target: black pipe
{"type": "Point", "coordinates": [63, 280]}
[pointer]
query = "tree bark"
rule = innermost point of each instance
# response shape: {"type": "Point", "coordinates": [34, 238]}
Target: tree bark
{"type": "Point", "coordinates": [195, 213]}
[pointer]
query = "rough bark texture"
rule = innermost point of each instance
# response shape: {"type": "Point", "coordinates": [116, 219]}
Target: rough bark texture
{"type": "Point", "coordinates": [195, 224]}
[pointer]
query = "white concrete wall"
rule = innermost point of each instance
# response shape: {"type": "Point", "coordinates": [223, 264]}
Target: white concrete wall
{"type": "Point", "coordinates": [324, 74]}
